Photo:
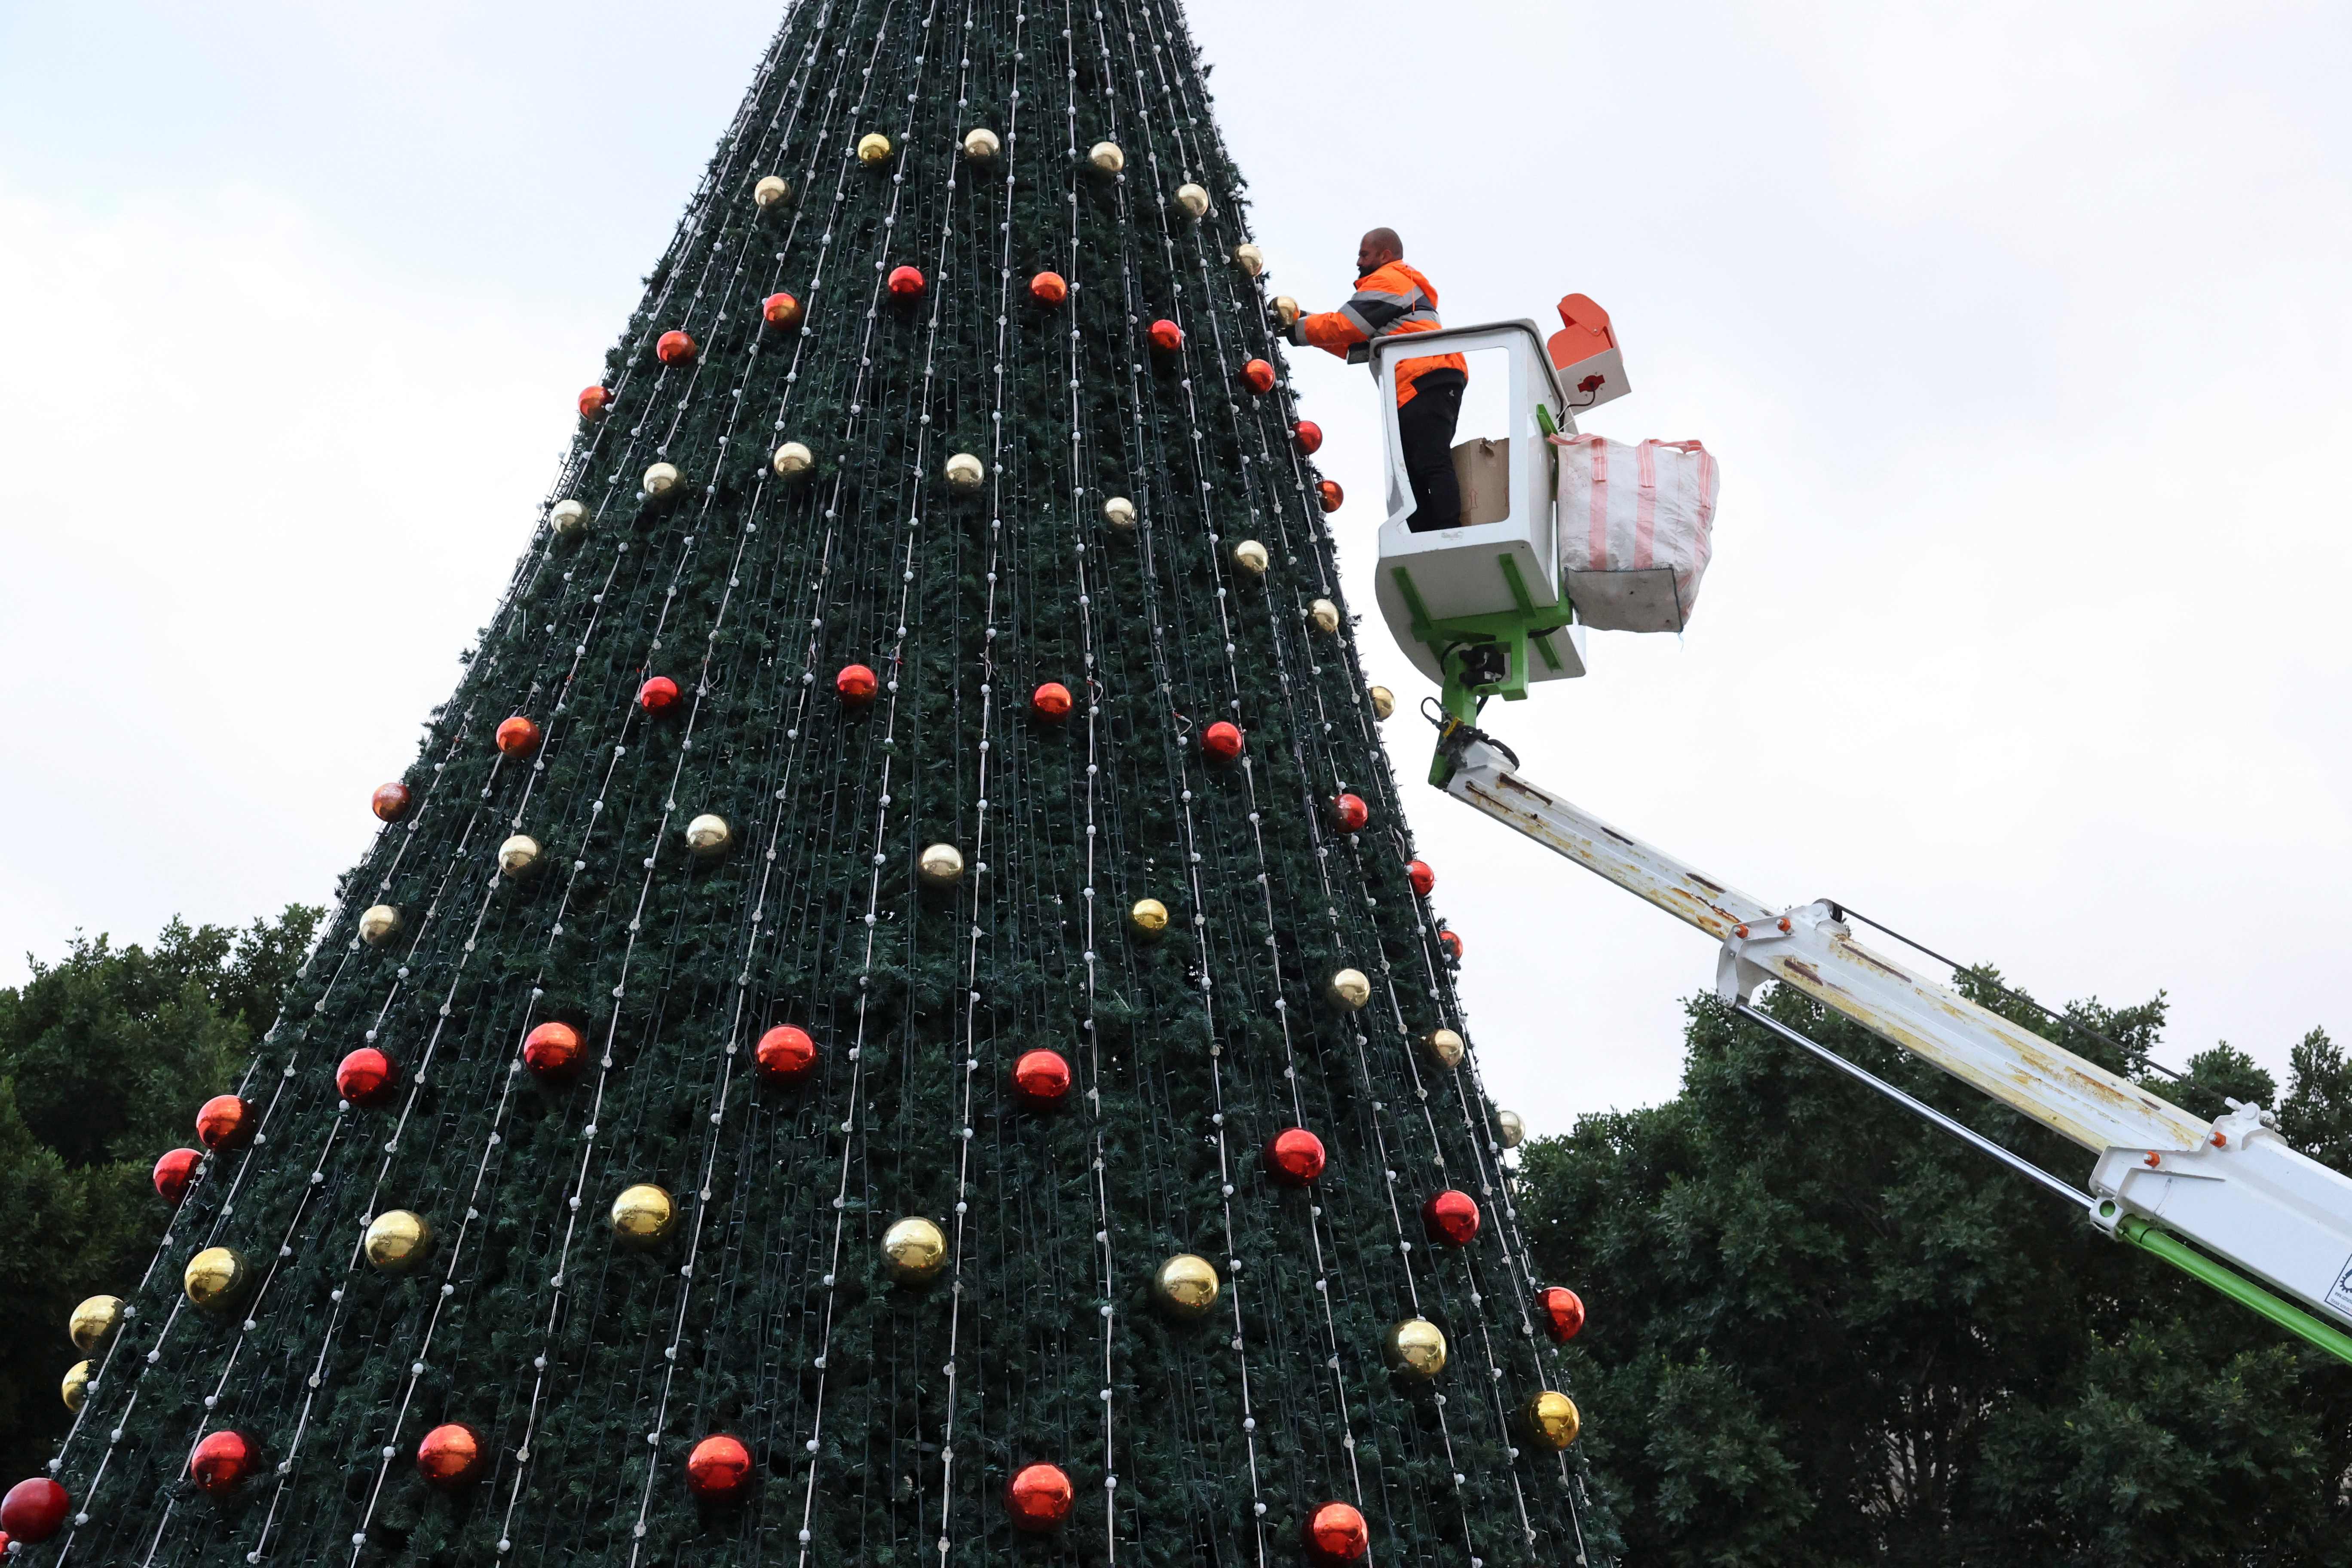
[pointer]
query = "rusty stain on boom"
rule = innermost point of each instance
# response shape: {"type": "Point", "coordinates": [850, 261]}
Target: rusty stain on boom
{"type": "Point", "coordinates": [2077, 1098]}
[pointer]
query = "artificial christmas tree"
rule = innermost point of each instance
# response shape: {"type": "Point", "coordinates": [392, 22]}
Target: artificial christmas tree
{"type": "Point", "coordinates": [984, 1108]}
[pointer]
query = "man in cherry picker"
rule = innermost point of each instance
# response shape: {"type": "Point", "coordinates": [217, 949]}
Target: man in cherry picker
{"type": "Point", "coordinates": [1392, 298]}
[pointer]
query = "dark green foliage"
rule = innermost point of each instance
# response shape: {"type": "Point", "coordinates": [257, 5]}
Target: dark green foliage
{"type": "Point", "coordinates": [565, 1351]}
{"type": "Point", "coordinates": [1823, 1333]}
{"type": "Point", "coordinates": [2317, 1114]}
{"type": "Point", "coordinates": [104, 1058]}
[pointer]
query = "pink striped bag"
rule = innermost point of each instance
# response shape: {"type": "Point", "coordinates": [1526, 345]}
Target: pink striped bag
{"type": "Point", "coordinates": [1634, 531]}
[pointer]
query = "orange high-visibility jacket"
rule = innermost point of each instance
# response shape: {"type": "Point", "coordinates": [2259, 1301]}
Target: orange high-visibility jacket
{"type": "Point", "coordinates": [1392, 298]}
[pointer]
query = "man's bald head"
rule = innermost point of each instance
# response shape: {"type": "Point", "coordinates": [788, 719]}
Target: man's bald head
{"type": "Point", "coordinates": [1377, 249]}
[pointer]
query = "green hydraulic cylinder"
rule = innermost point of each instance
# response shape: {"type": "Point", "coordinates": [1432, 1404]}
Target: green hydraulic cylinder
{"type": "Point", "coordinates": [2230, 1283]}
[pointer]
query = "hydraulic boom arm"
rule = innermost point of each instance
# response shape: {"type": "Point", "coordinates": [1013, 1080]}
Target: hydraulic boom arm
{"type": "Point", "coordinates": [2232, 1187]}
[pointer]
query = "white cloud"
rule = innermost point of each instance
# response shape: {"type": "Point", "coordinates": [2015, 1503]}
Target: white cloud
{"type": "Point", "coordinates": [2021, 340]}
{"type": "Point", "coordinates": [261, 494]}
{"type": "Point", "coordinates": [2021, 333]}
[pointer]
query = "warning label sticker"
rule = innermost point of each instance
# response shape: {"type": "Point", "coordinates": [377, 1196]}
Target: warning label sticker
{"type": "Point", "coordinates": [2339, 1296]}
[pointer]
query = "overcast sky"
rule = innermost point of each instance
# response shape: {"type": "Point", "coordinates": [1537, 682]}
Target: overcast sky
{"type": "Point", "coordinates": [2021, 332]}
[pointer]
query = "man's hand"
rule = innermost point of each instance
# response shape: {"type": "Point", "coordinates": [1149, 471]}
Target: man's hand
{"type": "Point", "coordinates": [1283, 316]}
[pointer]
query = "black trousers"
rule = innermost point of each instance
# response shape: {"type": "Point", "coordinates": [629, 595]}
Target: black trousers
{"type": "Point", "coordinates": [1425, 426]}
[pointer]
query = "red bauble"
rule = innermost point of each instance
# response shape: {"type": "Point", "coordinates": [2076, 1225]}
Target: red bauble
{"type": "Point", "coordinates": [1451, 1217]}
{"type": "Point", "coordinates": [856, 683]}
{"type": "Point", "coordinates": [1351, 813]}
{"type": "Point", "coordinates": [366, 1077]}
{"type": "Point", "coordinates": [1294, 1157]}
{"type": "Point", "coordinates": [1329, 493]}
{"type": "Point", "coordinates": [1423, 878]}
{"type": "Point", "coordinates": [780, 310]}
{"type": "Point", "coordinates": [1048, 289]}
{"type": "Point", "coordinates": [1563, 1311]}
{"type": "Point", "coordinates": [906, 282]}
{"type": "Point", "coordinates": [1336, 1534]}
{"type": "Point", "coordinates": [1042, 1078]}
{"type": "Point", "coordinates": [1167, 336]}
{"type": "Point", "coordinates": [518, 736]}
{"type": "Point", "coordinates": [1258, 376]}
{"type": "Point", "coordinates": [657, 695]}
{"type": "Point", "coordinates": [1051, 701]}
{"type": "Point", "coordinates": [551, 1050]}
{"type": "Point", "coordinates": [450, 1455]}
{"type": "Point", "coordinates": [1039, 1497]}
{"type": "Point", "coordinates": [391, 801]}
{"type": "Point", "coordinates": [1451, 942]}
{"type": "Point", "coordinates": [33, 1510]}
{"type": "Point", "coordinates": [174, 1171]}
{"type": "Point", "coordinates": [594, 400]}
{"type": "Point", "coordinates": [223, 1121]}
{"type": "Point", "coordinates": [785, 1054]}
{"type": "Point", "coordinates": [719, 1468]}
{"type": "Point", "coordinates": [1309, 436]}
{"type": "Point", "coordinates": [674, 348]}
{"type": "Point", "coordinates": [221, 1461]}
{"type": "Point", "coordinates": [1222, 741]}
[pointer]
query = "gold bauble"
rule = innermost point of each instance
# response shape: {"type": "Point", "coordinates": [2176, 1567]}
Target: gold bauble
{"type": "Point", "coordinates": [1445, 1046]}
{"type": "Point", "coordinates": [643, 1215]}
{"type": "Point", "coordinates": [1550, 1420]}
{"type": "Point", "coordinates": [75, 1387]}
{"type": "Point", "coordinates": [1118, 511]}
{"type": "Point", "coordinates": [1383, 701]}
{"type": "Point", "coordinates": [1106, 157]}
{"type": "Point", "coordinates": [1192, 199]}
{"type": "Point", "coordinates": [1250, 556]}
{"type": "Point", "coordinates": [567, 516]}
{"type": "Point", "coordinates": [965, 472]}
{"type": "Point", "coordinates": [94, 1320]}
{"type": "Point", "coordinates": [379, 925]}
{"type": "Point", "coordinates": [941, 865]}
{"type": "Point", "coordinates": [914, 1250]}
{"type": "Point", "coordinates": [397, 1240]}
{"type": "Point", "coordinates": [660, 479]}
{"type": "Point", "coordinates": [518, 856]}
{"type": "Point", "coordinates": [1325, 614]}
{"type": "Point", "coordinates": [770, 191]}
{"type": "Point", "coordinates": [1416, 1348]}
{"type": "Point", "coordinates": [979, 144]}
{"type": "Point", "coordinates": [793, 459]}
{"type": "Point", "coordinates": [1509, 1129]}
{"type": "Point", "coordinates": [1249, 258]}
{"type": "Point", "coordinates": [707, 836]}
{"type": "Point", "coordinates": [1349, 990]}
{"type": "Point", "coordinates": [1285, 310]}
{"type": "Point", "coordinates": [215, 1279]}
{"type": "Point", "coordinates": [1186, 1286]}
{"type": "Point", "coordinates": [873, 149]}
{"type": "Point", "coordinates": [1149, 917]}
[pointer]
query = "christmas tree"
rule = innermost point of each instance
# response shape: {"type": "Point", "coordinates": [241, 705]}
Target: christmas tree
{"type": "Point", "coordinates": [894, 1017]}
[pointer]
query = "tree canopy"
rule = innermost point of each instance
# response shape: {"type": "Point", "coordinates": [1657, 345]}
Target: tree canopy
{"type": "Point", "coordinates": [1820, 1331]}
{"type": "Point", "coordinates": [1823, 1333]}
{"type": "Point", "coordinates": [104, 1057]}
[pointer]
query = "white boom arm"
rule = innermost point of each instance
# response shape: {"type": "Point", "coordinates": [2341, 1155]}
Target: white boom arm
{"type": "Point", "coordinates": [2232, 1185]}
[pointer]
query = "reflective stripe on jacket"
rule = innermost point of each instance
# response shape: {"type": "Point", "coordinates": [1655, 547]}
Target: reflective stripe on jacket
{"type": "Point", "coordinates": [1388, 300]}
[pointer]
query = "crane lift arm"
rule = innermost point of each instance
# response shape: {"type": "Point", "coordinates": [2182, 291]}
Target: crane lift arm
{"type": "Point", "coordinates": [2231, 1186]}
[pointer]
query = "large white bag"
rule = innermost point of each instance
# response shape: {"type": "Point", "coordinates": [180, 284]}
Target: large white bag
{"type": "Point", "coordinates": [1634, 526]}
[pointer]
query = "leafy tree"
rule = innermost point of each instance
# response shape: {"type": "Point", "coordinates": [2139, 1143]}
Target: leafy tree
{"type": "Point", "coordinates": [1823, 1333]}
{"type": "Point", "coordinates": [103, 1059]}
